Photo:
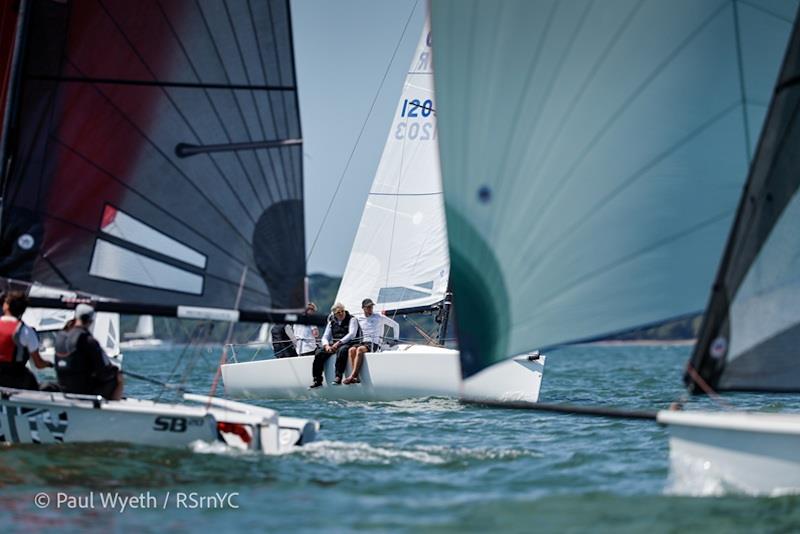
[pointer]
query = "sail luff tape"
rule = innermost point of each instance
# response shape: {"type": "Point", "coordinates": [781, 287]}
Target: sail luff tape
{"type": "Point", "coordinates": [213, 314]}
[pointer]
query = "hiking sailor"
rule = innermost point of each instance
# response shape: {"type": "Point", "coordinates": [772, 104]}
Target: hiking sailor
{"type": "Point", "coordinates": [341, 330]}
{"type": "Point", "coordinates": [18, 343]}
{"type": "Point", "coordinates": [81, 364]}
{"type": "Point", "coordinates": [305, 336]}
{"type": "Point", "coordinates": [372, 334]}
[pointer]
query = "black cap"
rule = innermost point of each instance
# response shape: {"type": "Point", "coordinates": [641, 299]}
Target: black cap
{"type": "Point", "coordinates": [367, 302]}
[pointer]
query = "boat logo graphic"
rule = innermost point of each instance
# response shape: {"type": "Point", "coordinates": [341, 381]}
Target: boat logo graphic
{"type": "Point", "coordinates": [20, 424]}
{"type": "Point", "coordinates": [719, 347]}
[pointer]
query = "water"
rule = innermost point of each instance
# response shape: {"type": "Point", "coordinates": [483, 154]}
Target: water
{"type": "Point", "coordinates": [418, 465]}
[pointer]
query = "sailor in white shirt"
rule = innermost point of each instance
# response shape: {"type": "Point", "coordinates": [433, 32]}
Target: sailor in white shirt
{"type": "Point", "coordinates": [305, 336]}
{"type": "Point", "coordinates": [371, 336]}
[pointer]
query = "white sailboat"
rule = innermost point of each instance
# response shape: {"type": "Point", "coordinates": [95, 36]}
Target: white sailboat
{"type": "Point", "coordinates": [751, 333]}
{"type": "Point", "coordinates": [400, 260]}
{"type": "Point", "coordinates": [143, 337]}
{"type": "Point", "coordinates": [49, 321]}
{"type": "Point", "coordinates": [151, 164]}
{"type": "Point", "coordinates": [592, 158]}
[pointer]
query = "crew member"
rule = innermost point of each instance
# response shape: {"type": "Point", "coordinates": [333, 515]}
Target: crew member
{"type": "Point", "coordinates": [81, 364]}
{"type": "Point", "coordinates": [18, 343]}
{"type": "Point", "coordinates": [341, 330]}
{"type": "Point", "coordinates": [371, 325]}
{"type": "Point", "coordinates": [305, 335]}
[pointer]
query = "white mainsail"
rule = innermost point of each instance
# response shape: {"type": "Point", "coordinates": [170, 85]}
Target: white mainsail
{"type": "Point", "coordinates": [592, 158]}
{"type": "Point", "coordinates": [399, 257]}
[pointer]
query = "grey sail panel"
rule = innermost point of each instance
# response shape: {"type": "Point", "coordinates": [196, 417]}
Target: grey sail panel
{"type": "Point", "coordinates": [751, 334]}
{"type": "Point", "coordinates": [156, 156]}
{"type": "Point", "coordinates": [592, 158]}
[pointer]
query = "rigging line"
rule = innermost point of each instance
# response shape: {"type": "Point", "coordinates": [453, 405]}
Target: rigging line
{"type": "Point", "coordinates": [562, 238]}
{"type": "Point", "coordinates": [156, 83]}
{"type": "Point", "coordinates": [360, 133]}
{"type": "Point", "coordinates": [405, 194]}
{"type": "Point", "coordinates": [269, 101]}
{"type": "Point", "coordinates": [233, 93]}
{"type": "Point", "coordinates": [631, 256]}
{"type": "Point", "coordinates": [234, 191]}
{"type": "Point", "coordinates": [570, 409]}
{"type": "Point", "coordinates": [543, 101]}
{"type": "Point", "coordinates": [738, 38]}
{"type": "Point", "coordinates": [141, 132]}
{"type": "Point", "coordinates": [614, 116]}
{"type": "Point", "coordinates": [280, 79]}
{"type": "Point", "coordinates": [168, 214]}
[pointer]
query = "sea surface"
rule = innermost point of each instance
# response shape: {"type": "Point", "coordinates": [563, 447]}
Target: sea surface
{"type": "Point", "coordinates": [425, 465]}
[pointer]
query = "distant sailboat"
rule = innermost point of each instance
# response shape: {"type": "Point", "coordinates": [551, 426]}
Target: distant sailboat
{"type": "Point", "coordinates": [143, 337]}
{"type": "Point", "coordinates": [151, 164]}
{"type": "Point", "coordinates": [592, 157]}
{"type": "Point", "coordinates": [400, 260]}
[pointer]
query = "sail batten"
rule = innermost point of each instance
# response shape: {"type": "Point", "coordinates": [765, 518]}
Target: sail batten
{"type": "Point", "coordinates": [592, 155]}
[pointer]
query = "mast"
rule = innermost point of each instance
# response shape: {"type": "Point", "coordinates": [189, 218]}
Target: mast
{"type": "Point", "coordinates": [444, 316]}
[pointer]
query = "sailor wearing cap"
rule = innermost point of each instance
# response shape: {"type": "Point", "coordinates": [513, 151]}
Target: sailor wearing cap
{"type": "Point", "coordinates": [371, 336]}
{"type": "Point", "coordinates": [81, 364]}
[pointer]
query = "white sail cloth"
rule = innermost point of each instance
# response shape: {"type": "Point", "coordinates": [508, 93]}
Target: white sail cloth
{"type": "Point", "coordinates": [399, 257]}
{"type": "Point", "coordinates": [592, 156]}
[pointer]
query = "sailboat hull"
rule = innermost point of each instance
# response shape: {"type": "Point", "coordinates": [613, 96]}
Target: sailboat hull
{"type": "Point", "coordinates": [753, 453]}
{"type": "Point", "coordinates": [43, 417]}
{"type": "Point", "coordinates": [406, 371]}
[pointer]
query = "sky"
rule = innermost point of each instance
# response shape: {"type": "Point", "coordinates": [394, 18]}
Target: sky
{"type": "Point", "coordinates": [342, 51]}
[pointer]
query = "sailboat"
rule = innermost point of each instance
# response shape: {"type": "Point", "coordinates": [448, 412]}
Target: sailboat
{"type": "Point", "coordinates": [400, 260]}
{"type": "Point", "coordinates": [750, 336]}
{"type": "Point", "coordinates": [105, 328]}
{"type": "Point", "coordinates": [592, 158]}
{"type": "Point", "coordinates": [151, 164]}
{"type": "Point", "coordinates": [143, 337]}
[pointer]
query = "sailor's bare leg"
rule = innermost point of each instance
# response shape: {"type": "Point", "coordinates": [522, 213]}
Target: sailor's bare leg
{"type": "Point", "coordinates": [117, 394]}
{"type": "Point", "coordinates": [351, 356]}
{"type": "Point", "coordinates": [359, 361]}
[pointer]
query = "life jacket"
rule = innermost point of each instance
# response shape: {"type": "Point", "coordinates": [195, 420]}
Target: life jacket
{"type": "Point", "coordinates": [281, 342]}
{"type": "Point", "coordinates": [339, 330]}
{"type": "Point", "coordinates": [72, 368]}
{"type": "Point", "coordinates": [12, 352]}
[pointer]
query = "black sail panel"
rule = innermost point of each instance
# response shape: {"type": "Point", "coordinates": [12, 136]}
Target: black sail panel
{"type": "Point", "coordinates": [156, 148]}
{"type": "Point", "coordinates": [751, 331]}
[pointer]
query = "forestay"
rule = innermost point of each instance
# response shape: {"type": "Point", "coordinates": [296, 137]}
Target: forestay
{"type": "Point", "coordinates": [399, 257]}
{"type": "Point", "coordinates": [592, 157]}
{"type": "Point", "coordinates": [751, 334]}
{"type": "Point", "coordinates": [155, 153]}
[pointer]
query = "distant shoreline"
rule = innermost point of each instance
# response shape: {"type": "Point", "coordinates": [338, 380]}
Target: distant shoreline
{"type": "Point", "coordinates": [654, 342]}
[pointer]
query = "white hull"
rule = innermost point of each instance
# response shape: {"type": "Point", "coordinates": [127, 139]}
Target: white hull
{"type": "Point", "coordinates": [754, 453]}
{"type": "Point", "coordinates": [42, 417]}
{"type": "Point", "coordinates": [405, 371]}
{"type": "Point", "coordinates": [141, 344]}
